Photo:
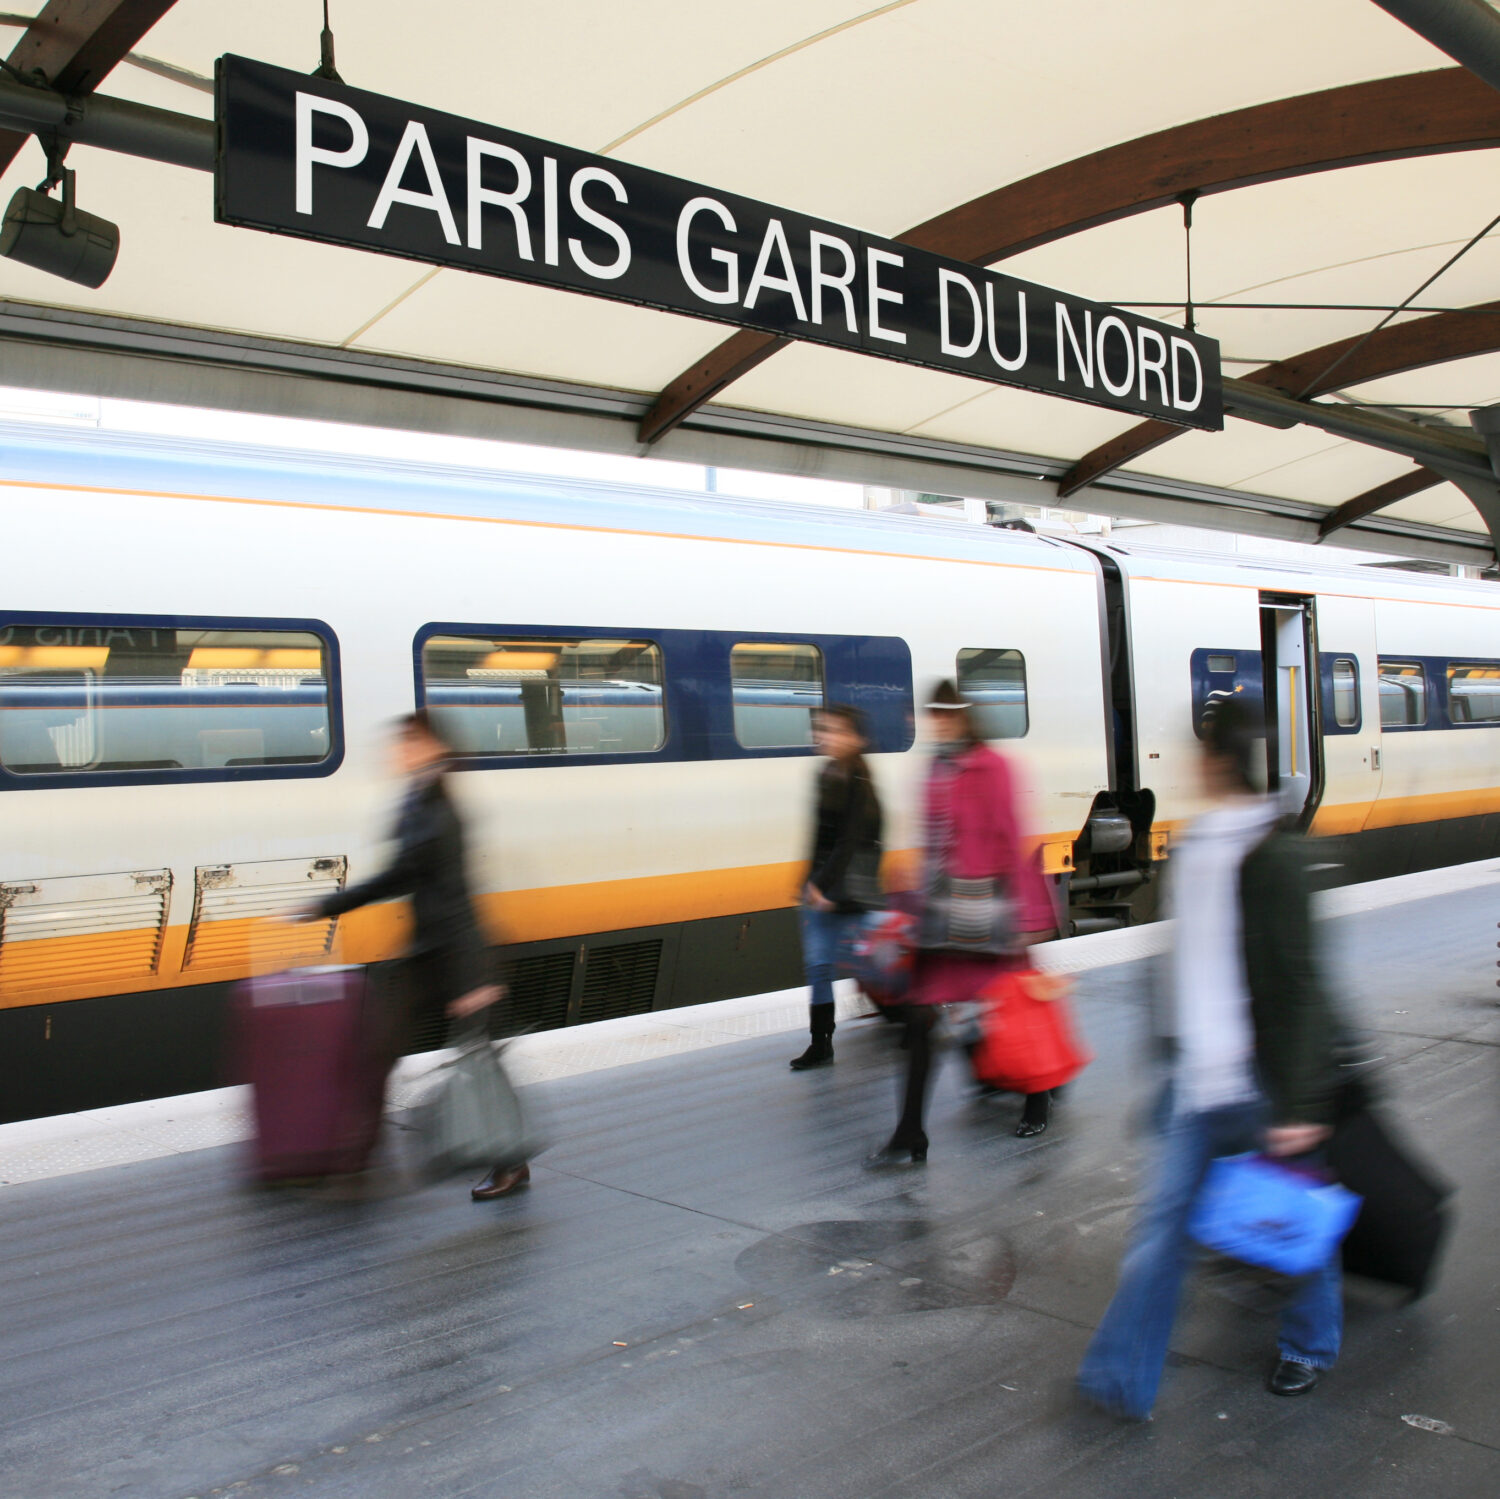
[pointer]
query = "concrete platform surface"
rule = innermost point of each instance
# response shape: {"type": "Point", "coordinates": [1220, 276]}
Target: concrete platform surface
{"type": "Point", "coordinates": [703, 1294]}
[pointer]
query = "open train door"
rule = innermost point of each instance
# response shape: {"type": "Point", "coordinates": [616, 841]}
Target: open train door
{"type": "Point", "coordinates": [1294, 741]}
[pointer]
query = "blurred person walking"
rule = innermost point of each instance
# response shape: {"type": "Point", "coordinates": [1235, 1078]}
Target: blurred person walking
{"type": "Point", "coordinates": [843, 880]}
{"type": "Point", "coordinates": [447, 969]}
{"type": "Point", "coordinates": [983, 902]}
{"type": "Point", "coordinates": [1249, 1036]}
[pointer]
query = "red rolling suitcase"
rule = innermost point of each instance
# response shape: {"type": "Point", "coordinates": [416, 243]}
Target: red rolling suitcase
{"type": "Point", "coordinates": [307, 1047]}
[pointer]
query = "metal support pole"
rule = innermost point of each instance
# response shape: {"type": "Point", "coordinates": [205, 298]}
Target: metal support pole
{"type": "Point", "coordinates": [110, 124]}
{"type": "Point", "coordinates": [1467, 30]}
{"type": "Point", "coordinates": [1486, 499]}
{"type": "Point", "coordinates": [1455, 453]}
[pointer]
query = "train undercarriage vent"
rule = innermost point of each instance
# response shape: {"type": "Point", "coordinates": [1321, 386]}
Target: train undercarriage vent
{"type": "Point", "coordinates": [1110, 884]}
{"type": "Point", "coordinates": [81, 929]}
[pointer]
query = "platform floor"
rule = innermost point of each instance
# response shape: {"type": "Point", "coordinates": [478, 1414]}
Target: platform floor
{"type": "Point", "coordinates": [704, 1295]}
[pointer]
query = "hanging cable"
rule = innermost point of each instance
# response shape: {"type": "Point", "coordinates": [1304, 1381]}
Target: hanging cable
{"type": "Point", "coordinates": [1318, 379]}
{"type": "Point", "coordinates": [1187, 200]}
{"type": "Point", "coordinates": [326, 68]}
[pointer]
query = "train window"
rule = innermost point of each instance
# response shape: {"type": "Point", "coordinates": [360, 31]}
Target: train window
{"type": "Point", "coordinates": [1345, 692]}
{"type": "Point", "coordinates": [777, 689]}
{"type": "Point", "coordinates": [1474, 692]}
{"type": "Point", "coordinates": [77, 699]}
{"type": "Point", "coordinates": [995, 682]}
{"type": "Point", "coordinates": [1403, 694]}
{"type": "Point", "coordinates": [491, 695]}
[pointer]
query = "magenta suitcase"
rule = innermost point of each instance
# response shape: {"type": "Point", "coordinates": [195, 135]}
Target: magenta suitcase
{"type": "Point", "coordinates": [307, 1048]}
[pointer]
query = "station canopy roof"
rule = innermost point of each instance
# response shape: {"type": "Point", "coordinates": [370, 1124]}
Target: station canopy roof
{"type": "Point", "coordinates": [1340, 157]}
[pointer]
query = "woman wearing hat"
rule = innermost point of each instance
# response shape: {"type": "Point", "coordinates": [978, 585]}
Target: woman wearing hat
{"type": "Point", "coordinates": [984, 901]}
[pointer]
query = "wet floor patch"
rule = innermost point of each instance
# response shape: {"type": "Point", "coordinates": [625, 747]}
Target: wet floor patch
{"type": "Point", "coordinates": [854, 1268]}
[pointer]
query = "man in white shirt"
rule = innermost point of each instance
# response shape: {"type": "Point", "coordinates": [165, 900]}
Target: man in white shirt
{"type": "Point", "coordinates": [1251, 1038]}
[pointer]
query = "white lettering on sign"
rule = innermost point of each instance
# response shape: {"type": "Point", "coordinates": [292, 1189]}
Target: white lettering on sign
{"type": "Point", "coordinates": [621, 263]}
{"type": "Point", "coordinates": [309, 155]}
{"type": "Point", "coordinates": [479, 152]}
{"type": "Point", "coordinates": [818, 242]}
{"type": "Point", "coordinates": [1083, 357]}
{"type": "Point", "coordinates": [874, 259]}
{"type": "Point", "coordinates": [775, 239]}
{"type": "Point", "coordinates": [435, 199]}
{"type": "Point", "coordinates": [1106, 325]}
{"type": "Point", "coordinates": [1181, 346]}
{"type": "Point", "coordinates": [981, 322]}
{"type": "Point", "coordinates": [731, 263]}
{"type": "Point", "coordinates": [946, 280]}
{"type": "Point", "coordinates": [549, 209]}
{"type": "Point", "coordinates": [311, 158]}
{"type": "Point", "coordinates": [1156, 366]}
{"type": "Point", "coordinates": [989, 314]}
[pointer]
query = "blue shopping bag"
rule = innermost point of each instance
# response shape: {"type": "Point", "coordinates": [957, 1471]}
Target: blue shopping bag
{"type": "Point", "coordinates": [1268, 1213]}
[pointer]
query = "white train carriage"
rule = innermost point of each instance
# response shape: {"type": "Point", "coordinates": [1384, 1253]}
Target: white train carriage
{"type": "Point", "coordinates": [200, 649]}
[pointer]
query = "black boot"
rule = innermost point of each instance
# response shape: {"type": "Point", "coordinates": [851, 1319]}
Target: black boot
{"type": "Point", "coordinates": [1035, 1115]}
{"type": "Point", "coordinates": [820, 1052]}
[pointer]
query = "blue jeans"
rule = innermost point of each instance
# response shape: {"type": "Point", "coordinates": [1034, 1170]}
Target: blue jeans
{"type": "Point", "coordinates": [1123, 1365]}
{"type": "Point", "coordinates": [827, 937]}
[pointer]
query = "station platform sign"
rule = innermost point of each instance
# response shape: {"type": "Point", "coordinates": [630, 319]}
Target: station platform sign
{"type": "Point", "coordinates": [311, 157]}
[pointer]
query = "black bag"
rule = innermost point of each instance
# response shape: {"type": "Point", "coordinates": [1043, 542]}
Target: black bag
{"type": "Point", "coordinates": [474, 1116]}
{"type": "Point", "coordinates": [1400, 1228]}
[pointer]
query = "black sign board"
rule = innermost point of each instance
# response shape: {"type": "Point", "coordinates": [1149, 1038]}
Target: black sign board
{"type": "Point", "coordinates": [305, 156]}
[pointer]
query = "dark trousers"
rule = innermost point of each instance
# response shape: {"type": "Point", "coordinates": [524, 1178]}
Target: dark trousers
{"type": "Point", "coordinates": [920, 1022]}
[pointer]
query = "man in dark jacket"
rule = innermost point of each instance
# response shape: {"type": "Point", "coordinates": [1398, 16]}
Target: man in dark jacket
{"type": "Point", "coordinates": [447, 967]}
{"type": "Point", "coordinates": [1250, 1036]}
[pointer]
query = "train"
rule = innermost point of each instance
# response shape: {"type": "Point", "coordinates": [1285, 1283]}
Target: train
{"type": "Point", "coordinates": [202, 648]}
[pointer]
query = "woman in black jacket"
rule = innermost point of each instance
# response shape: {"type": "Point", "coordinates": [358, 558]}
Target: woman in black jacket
{"type": "Point", "coordinates": [843, 878]}
{"type": "Point", "coordinates": [447, 969]}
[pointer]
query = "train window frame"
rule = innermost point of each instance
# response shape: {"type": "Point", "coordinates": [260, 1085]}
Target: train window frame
{"type": "Point", "coordinates": [154, 774]}
{"type": "Point", "coordinates": [540, 640]}
{"type": "Point", "coordinates": [1467, 664]}
{"type": "Point", "coordinates": [1382, 666]}
{"type": "Point", "coordinates": [871, 672]}
{"type": "Point", "coordinates": [1338, 725]}
{"type": "Point", "coordinates": [759, 643]}
{"type": "Point", "coordinates": [978, 711]}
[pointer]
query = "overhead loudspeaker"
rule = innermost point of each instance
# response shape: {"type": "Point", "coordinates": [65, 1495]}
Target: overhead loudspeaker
{"type": "Point", "coordinates": [56, 236]}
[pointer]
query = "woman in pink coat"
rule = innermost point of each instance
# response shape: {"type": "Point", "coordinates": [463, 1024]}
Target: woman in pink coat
{"type": "Point", "coordinates": [980, 889]}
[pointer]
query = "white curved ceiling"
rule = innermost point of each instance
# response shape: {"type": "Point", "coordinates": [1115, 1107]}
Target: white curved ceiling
{"type": "Point", "coordinates": [881, 116]}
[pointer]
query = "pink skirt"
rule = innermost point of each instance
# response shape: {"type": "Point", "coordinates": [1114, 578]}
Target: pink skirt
{"type": "Point", "coordinates": [943, 978]}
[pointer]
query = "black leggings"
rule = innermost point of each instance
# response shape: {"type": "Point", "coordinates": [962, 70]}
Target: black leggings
{"type": "Point", "coordinates": [920, 1022]}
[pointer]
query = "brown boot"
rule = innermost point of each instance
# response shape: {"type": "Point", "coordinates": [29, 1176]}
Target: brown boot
{"type": "Point", "coordinates": [502, 1181]}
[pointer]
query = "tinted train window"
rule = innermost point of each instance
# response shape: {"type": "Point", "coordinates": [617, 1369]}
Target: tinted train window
{"type": "Point", "coordinates": [995, 682]}
{"type": "Point", "coordinates": [777, 688]}
{"type": "Point", "coordinates": [1345, 693]}
{"type": "Point", "coordinates": [1403, 694]}
{"type": "Point", "coordinates": [1474, 693]}
{"type": "Point", "coordinates": [76, 699]}
{"type": "Point", "coordinates": [495, 696]}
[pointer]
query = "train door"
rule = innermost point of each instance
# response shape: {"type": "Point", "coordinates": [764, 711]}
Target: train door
{"type": "Point", "coordinates": [1289, 677]}
{"type": "Point", "coordinates": [1349, 697]}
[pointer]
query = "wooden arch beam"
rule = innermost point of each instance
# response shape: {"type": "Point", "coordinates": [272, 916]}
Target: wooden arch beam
{"type": "Point", "coordinates": [74, 44]}
{"type": "Point", "coordinates": [1349, 361]}
{"type": "Point", "coordinates": [1378, 498]}
{"type": "Point", "coordinates": [1416, 114]}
